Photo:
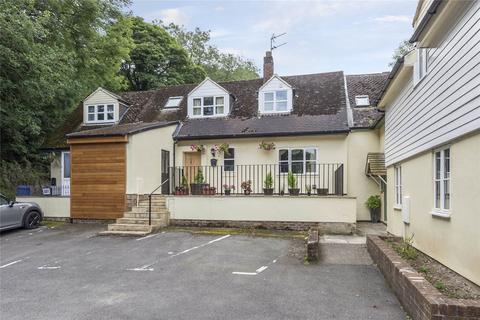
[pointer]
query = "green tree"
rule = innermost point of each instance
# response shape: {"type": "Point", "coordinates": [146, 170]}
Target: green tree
{"type": "Point", "coordinates": [52, 53]}
{"type": "Point", "coordinates": [157, 59]}
{"type": "Point", "coordinates": [403, 48]}
{"type": "Point", "coordinates": [218, 66]}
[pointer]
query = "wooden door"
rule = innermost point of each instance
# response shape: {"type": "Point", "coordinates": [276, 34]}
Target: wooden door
{"type": "Point", "coordinates": [192, 162]}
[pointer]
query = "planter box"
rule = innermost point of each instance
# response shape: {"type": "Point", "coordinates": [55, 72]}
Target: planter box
{"type": "Point", "coordinates": [197, 188]}
{"type": "Point", "coordinates": [322, 191]}
{"type": "Point", "coordinates": [419, 298]}
{"type": "Point", "coordinates": [268, 191]}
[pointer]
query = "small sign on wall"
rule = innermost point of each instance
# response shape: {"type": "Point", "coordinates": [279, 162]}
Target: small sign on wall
{"type": "Point", "coordinates": [46, 191]}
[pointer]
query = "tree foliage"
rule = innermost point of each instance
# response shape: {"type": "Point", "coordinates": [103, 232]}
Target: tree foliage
{"type": "Point", "coordinates": [52, 53]}
{"type": "Point", "coordinates": [157, 59]}
{"type": "Point", "coordinates": [218, 66]}
{"type": "Point", "coordinates": [404, 48]}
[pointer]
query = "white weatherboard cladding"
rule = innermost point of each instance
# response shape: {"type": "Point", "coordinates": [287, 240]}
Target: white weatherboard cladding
{"type": "Point", "coordinates": [208, 88]}
{"type": "Point", "coordinates": [100, 96]}
{"type": "Point", "coordinates": [274, 84]}
{"type": "Point", "coordinates": [446, 103]}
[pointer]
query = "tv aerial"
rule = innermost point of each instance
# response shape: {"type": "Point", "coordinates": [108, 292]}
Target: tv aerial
{"type": "Point", "coordinates": [273, 38]}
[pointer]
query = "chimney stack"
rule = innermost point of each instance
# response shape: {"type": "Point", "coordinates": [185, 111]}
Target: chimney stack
{"type": "Point", "coordinates": [267, 66]}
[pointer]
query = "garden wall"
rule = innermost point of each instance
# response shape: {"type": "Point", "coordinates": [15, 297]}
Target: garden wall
{"type": "Point", "coordinates": [52, 207]}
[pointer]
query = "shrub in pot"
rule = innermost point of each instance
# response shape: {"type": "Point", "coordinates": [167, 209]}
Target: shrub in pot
{"type": "Point", "coordinates": [292, 184]}
{"type": "Point", "coordinates": [268, 185]}
{"type": "Point", "coordinates": [374, 203]}
{"type": "Point", "coordinates": [209, 191]}
{"type": "Point", "coordinates": [199, 183]}
{"type": "Point", "coordinates": [309, 189]}
{"type": "Point", "coordinates": [247, 187]}
{"type": "Point", "coordinates": [228, 189]}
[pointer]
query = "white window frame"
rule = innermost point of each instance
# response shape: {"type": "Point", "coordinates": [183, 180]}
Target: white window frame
{"type": "Point", "coordinates": [229, 159]}
{"type": "Point", "coordinates": [202, 106]}
{"type": "Point", "coordinates": [176, 106]}
{"type": "Point", "coordinates": [440, 209]}
{"type": "Point", "coordinates": [275, 101]}
{"type": "Point", "coordinates": [304, 167]}
{"type": "Point", "coordinates": [398, 186]}
{"type": "Point", "coordinates": [96, 113]}
{"type": "Point", "coordinates": [358, 101]}
{"type": "Point", "coordinates": [420, 67]}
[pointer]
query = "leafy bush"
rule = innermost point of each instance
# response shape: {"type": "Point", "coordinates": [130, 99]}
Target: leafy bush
{"type": "Point", "coordinates": [268, 181]}
{"type": "Point", "coordinates": [406, 250]}
{"type": "Point", "coordinates": [199, 177]}
{"type": "Point", "coordinates": [373, 202]}
{"type": "Point", "coordinates": [292, 181]}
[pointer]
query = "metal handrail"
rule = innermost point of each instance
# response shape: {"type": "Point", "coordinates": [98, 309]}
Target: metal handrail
{"type": "Point", "coordinates": [150, 202]}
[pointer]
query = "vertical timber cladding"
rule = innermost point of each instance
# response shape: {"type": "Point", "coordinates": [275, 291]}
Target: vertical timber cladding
{"type": "Point", "coordinates": [98, 177]}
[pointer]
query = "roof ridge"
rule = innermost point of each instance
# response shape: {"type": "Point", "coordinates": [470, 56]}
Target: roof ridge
{"type": "Point", "coordinates": [368, 74]}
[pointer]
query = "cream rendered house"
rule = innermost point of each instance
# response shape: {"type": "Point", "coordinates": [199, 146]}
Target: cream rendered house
{"type": "Point", "coordinates": [432, 137]}
{"type": "Point", "coordinates": [117, 148]}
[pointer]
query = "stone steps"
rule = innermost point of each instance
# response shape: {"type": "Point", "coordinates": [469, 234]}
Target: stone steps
{"type": "Point", "coordinates": [124, 233]}
{"type": "Point", "coordinates": [136, 215]}
{"type": "Point", "coordinates": [133, 227]}
{"type": "Point", "coordinates": [142, 221]}
{"type": "Point", "coordinates": [145, 210]}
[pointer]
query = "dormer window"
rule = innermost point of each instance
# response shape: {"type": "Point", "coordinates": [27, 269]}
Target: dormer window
{"type": "Point", "coordinates": [100, 113]}
{"type": "Point", "coordinates": [362, 101]}
{"type": "Point", "coordinates": [275, 96]}
{"type": "Point", "coordinates": [275, 101]}
{"type": "Point", "coordinates": [209, 106]}
{"type": "Point", "coordinates": [173, 102]}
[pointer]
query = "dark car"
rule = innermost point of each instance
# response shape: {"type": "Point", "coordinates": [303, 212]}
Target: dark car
{"type": "Point", "coordinates": [19, 214]}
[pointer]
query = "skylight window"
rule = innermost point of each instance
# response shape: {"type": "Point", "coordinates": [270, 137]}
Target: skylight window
{"type": "Point", "coordinates": [362, 101]}
{"type": "Point", "coordinates": [173, 102]}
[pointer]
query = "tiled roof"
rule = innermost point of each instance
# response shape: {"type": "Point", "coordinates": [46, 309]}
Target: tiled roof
{"type": "Point", "coordinates": [366, 84]}
{"type": "Point", "coordinates": [121, 129]}
{"type": "Point", "coordinates": [319, 106]}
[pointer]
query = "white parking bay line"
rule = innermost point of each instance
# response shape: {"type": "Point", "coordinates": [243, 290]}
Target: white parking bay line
{"type": "Point", "coordinates": [143, 268]}
{"type": "Point", "coordinates": [245, 273]}
{"type": "Point", "coordinates": [45, 267]}
{"type": "Point", "coordinates": [9, 264]}
{"type": "Point", "coordinates": [200, 246]}
{"type": "Point", "coordinates": [261, 269]}
{"type": "Point", "coordinates": [146, 237]}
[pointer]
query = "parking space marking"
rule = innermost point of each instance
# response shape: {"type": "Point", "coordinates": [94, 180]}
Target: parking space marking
{"type": "Point", "coordinates": [262, 268]}
{"type": "Point", "coordinates": [200, 246]}
{"type": "Point", "coordinates": [45, 267]}
{"type": "Point", "coordinates": [146, 237]}
{"type": "Point", "coordinates": [245, 273]}
{"type": "Point", "coordinates": [143, 268]}
{"type": "Point", "coordinates": [11, 263]}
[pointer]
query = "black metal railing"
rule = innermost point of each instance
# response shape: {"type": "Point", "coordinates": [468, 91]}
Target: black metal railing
{"type": "Point", "coordinates": [267, 179]}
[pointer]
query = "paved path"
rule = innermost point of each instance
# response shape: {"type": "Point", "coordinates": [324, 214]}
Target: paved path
{"type": "Point", "coordinates": [70, 273]}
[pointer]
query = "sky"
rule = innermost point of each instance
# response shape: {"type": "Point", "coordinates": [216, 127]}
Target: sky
{"type": "Point", "coordinates": [355, 36]}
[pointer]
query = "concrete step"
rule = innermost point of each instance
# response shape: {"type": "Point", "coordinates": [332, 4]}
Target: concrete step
{"type": "Point", "coordinates": [145, 210]}
{"type": "Point", "coordinates": [155, 215]}
{"type": "Point", "coordinates": [124, 233]}
{"type": "Point", "coordinates": [157, 222]}
{"type": "Point", "coordinates": [132, 227]}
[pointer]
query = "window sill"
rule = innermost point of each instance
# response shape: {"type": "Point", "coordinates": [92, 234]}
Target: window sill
{"type": "Point", "coordinates": [441, 214]}
{"type": "Point", "coordinates": [397, 207]}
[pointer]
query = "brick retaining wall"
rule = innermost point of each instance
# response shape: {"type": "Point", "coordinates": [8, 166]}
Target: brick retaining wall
{"type": "Point", "coordinates": [323, 227]}
{"type": "Point", "coordinates": [420, 299]}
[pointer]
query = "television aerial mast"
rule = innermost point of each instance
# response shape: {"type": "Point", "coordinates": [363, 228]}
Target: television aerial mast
{"type": "Point", "coordinates": [273, 38]}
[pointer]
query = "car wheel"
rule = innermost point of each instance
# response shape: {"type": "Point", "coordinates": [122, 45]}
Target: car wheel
{"type": "Point", "coordinates": [32, 220]}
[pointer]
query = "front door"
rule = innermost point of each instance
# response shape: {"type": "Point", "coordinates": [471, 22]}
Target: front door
{"type": "Point", "coordinates": [65, 173]}
{"type": "Point", "coordinates": [165, 171]}
{"type": "Point", "coordinates": [191, 161]}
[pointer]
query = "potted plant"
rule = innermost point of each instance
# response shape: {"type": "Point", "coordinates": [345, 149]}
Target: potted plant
{"type": "Point", "coordinates": [213, 162]}
{"type": "Point", "coordinates": [224, 148]}
{"type": "Point", "coordinates": [209, 191]}
{"type": "Point", "coordinates": [282, 192]}
{"type": "Point", "coordinates": [267, 146]}
{"type": "Point", "coordinates": [228, 188]}
{"type": "Point", "coordinates": [268, 185]}
{"type": "Point", "coordinates": [199, 183]}
{"type": "Point", "coordinates": [292, 184]}
{"type": "Point", "coordinates": [183, 188]}
{"type": "Point", "coordinates": [197, 147]}
{"type": "Point", "coordinates": [374, 203]}
{"type": "Point", "coordinates": [309, 189]}
{"type": "Point", "coordinates": [247, 187]}
{"type": "Point", "coordinates": [322, 191]}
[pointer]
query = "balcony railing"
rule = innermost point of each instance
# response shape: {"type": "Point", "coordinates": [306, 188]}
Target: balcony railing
{"type": "Point", "coordinates": [265, 179]}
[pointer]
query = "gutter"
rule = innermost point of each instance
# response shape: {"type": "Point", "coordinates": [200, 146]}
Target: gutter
{"type": "Point", "coordinates": [133, 131]}
{"type": "Point", "coordinates": [390, 78]}
{"type": "Point", "coordinates": [256, 135]}
{"type": "Point", "coordinates": [425, 20]}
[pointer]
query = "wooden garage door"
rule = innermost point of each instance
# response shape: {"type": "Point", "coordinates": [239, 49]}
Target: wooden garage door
{"type": "Point", "coordinates": [98, 179]}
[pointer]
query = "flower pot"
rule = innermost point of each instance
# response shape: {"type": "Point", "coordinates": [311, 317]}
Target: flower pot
{"type": "Point", "coordinates": [322, 191]}
{"type": "Point", "coordinates": [213, 162]}
{"type": "Point", "coordinates": [375, 215]}
{"type": "Point", "coordinates": [227, 192]}
{"type": "Point", "coordinates": [309, 193]}
{"type": "Point", "coordinates": [197, 188]}
{"type": "Point", "coordinates": [247, 192]}
{"type": "Point", "coordinates": [282, 193]}
{"type": "Point", "coordinates": [268, 191]}
{"type": "Point", "coordinates": [294, 191]}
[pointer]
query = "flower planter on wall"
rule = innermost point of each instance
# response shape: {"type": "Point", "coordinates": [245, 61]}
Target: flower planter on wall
{"type": "Point", "coordinates": [294, 192]}
{"type": "Point", "coordinates": [322, 191]}
{"type": "Point", "coordinates": [197, 188]}
{"type": "Point", "coordinates": [268, 191]}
